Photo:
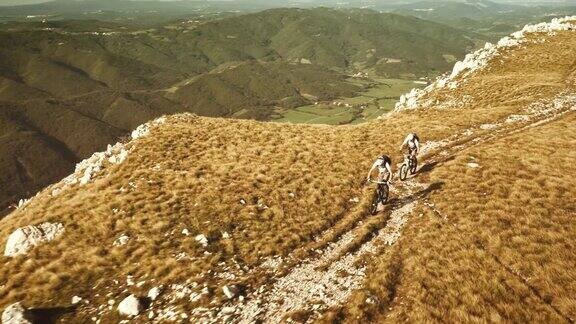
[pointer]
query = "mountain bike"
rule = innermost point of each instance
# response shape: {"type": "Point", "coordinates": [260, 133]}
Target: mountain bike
{"type": "Point", "coordinates": [380, 195]}
{"type": "Point", "coordinates": [410, 164]}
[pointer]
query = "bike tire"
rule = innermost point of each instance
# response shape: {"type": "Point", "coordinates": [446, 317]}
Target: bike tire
{"type": "Point", "coordinates": [403, 173]}
{"type": "Point", "coordinates": [414, 165]}
{"type": "Point", "coordinates": [375, 202]}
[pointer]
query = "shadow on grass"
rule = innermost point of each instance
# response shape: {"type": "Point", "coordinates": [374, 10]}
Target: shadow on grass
{"type": "Point", "coordinates": [430, 166]}
{"type": "Point", "coordinates": [398, 202]}
{"type": "Point", "coordinates": [49, 315]}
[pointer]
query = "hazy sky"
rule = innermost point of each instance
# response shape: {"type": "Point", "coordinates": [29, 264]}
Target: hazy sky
{"type": "Point", "coordinates": [20, 2]}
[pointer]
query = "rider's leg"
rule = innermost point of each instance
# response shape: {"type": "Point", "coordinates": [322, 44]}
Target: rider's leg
{"type": "Point", "coordinates": [382, 176]}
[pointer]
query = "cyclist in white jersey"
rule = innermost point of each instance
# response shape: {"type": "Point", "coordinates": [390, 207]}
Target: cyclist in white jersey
{"type": "Point", "coordinates": [383, 164]}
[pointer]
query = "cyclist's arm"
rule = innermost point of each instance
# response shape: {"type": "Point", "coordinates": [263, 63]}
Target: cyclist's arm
{"type": "Point", "coordinates": [374, 166]}
{"type": "Point", "coordinates": [389, 171]}
{"type": "Point", "coordinates": [404, 143]}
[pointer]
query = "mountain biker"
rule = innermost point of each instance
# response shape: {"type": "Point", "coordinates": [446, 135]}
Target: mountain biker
{"type": "Point", "coordinates": [383, 164]}
{"type": "Point", "coordinates": [412, 142]}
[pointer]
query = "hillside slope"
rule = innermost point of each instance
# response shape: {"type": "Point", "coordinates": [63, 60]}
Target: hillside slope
{"type": "Point", "coordinates": [483, 231]}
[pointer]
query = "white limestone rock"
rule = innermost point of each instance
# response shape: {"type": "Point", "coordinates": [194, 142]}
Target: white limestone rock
{"type": "Point", "coordinates": [153, 293]}
{"type": "Point", "coordinates": [27, 237]}
{"type": "Point", "coordinates": [122, 240]}
{"type": "Point", "coordinates": [130, 306]}
{"type": "Point", "coordinates": [202, 239]}
{"type": "Point", "coordinates": [230, 291]}
{"type": "Point", "coordinates": [15, 314]}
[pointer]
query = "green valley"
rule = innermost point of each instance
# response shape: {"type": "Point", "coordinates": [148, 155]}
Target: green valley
{"type": "Point", "coordinates": [378, 97]}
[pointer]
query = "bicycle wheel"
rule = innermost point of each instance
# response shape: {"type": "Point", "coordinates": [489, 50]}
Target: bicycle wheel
{"type": "Point", "coordinates": [414, 165]}
{"type": "Point", "coordinates": [375, 202]}
{"type": "Point", "coordinates": [403, 173]}
{"type": "Point", "coordinates": [384, 193]}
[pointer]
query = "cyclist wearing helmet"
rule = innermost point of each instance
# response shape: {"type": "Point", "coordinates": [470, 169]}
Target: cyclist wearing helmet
{"type": "Point", "coordinates": [412, 142]}
{"type": "Point", "coordinates": [383, 164]}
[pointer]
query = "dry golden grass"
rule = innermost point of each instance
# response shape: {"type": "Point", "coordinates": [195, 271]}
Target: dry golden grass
{"type": "Point", "coordinates": [503, 255]}
{"type": "Point", "coordinates": [501, 247]}
{"type": "Point", "coordinates": [498, 243]}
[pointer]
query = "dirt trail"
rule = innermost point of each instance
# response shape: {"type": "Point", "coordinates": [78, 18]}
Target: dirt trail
{"type": "Point", "coordinates": [327, 281]}
{"type": "Point", "coordinates": [318, 283]}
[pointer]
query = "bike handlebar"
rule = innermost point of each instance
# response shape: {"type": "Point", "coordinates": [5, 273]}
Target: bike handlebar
{"type": "Point", "coordinates": [379, 182]}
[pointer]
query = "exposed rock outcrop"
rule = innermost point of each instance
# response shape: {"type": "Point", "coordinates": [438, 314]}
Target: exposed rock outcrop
{"type": "Point", "coordinates": [15, 314]}
{"type": "Point", "coordinates": [25, 238]}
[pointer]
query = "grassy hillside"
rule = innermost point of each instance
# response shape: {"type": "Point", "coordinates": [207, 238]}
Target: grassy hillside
{"type": "Point", "coordinates": [481, 233]}
{"type": "Point", "coordinates": [83, 124]}
{"type": "Point", "coordinates": [252, 89]}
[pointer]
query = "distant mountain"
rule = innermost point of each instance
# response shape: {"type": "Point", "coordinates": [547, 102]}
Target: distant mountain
{"type": "Point", "coordinates": [79, 6]}
{"type": "Point", "coordinates": [489, 18]}
{"type": "Point", "coordinates": [346, 39]}
{"type": "Point", "coordinates": [452, 10]}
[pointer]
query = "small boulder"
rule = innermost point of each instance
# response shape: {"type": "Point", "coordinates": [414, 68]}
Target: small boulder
{"type": "Point", "coordinates": [130, 306]}
{"type": "Point", "coordinates": [230, 291]}
{"type": "Point", "coordinates": [154, 293]}
{"type": "Point", "coordinates": [122, 240]}
{"type": "Point", "coordinates": [15, 314]}
{"type": "Point", "coordinates": [27, 237]}
{"type": "Point", "coordinates": [202, 239]}
{"type": "Point", "coordinates": [76, 300]}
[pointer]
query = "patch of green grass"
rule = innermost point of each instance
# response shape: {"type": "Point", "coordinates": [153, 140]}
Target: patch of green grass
{"type": "Point", "coordinates": [391, 88]}
{"type": "Point", "coordinates": [320, 114]}
{"type": "Point", "coordinates": [377, 100]}
{"type": "Point", "coordinates": [387, 104]}
{"type": "Point", "coordinates": [322, 110]}
{"type": "Point", "coordinates": [360, 100]}
{"type": "Point", "coordinates": [294, 116]}
{"type": "Point", "coordinates": [369, 113]}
